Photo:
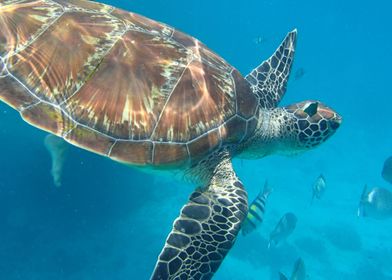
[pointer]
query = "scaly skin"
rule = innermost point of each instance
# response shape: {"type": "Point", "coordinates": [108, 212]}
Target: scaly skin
{"type": "Point", "coordinates": [291, 130]}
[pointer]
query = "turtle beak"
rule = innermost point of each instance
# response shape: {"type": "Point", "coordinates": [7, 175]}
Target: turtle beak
{"type": "Point", "coordinates": [335, 122]}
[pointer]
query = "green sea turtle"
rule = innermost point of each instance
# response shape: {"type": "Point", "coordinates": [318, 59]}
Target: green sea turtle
{"type": "Point", "coordinates": [142, 93]}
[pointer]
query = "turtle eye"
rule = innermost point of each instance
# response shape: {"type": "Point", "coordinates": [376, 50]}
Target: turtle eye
{"type": "Point", "coordinates": [311, 109]}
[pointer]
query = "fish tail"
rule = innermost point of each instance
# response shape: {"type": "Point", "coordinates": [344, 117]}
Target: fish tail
{"type": "Point", "coordinates": [282, 276]}
{"type": "Point", "coordinates": [364, 193]}
{"type": "Point", "coordinates": [360, 211]}
{"type": "Point", "coordinates": [244, 231]}
{"type": "Point", "coordinates": [266, 191]}
{"type": "Point", "coordinates": [299, 264]}
{"type": "Point", "coordinates": [247, 226]}
{"type": "Point", "coordinates": [311, 201]}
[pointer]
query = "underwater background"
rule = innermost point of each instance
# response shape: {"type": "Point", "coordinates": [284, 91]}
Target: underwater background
{"type": "Point", "coordinates": [108, 221]}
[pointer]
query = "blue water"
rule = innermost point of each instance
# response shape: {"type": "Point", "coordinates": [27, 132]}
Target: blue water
{"type": "Point", "coordinates": [108, 221]}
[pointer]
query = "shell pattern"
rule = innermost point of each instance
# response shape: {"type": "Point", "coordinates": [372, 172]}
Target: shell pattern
{"type": "Point", "coordinates": [119, 84]}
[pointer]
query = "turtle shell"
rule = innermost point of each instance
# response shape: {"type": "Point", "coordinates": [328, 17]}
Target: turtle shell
{"type": "Point", "coordinates": [119, 84]}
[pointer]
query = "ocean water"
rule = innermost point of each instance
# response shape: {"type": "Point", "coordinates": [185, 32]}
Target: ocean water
{"type": "Point", "coordinates": [108, 221]}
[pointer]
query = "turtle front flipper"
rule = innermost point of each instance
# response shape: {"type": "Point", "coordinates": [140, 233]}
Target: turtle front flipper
{"type": "Point", "coordinates": [269, 79]}
{"type": "Point", "coordinates": [206, 228]}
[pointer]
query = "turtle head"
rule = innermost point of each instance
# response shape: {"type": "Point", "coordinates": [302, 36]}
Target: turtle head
{"type": "Point", "coordinates": [312, 123]}
{"type": "Point", "coordinates": [292, 129]}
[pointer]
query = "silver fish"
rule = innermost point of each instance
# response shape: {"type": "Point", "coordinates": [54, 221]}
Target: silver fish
{"type": "Point", "coordinates": [387, 170]}
{"type": "Point", "coordinates": [299, 272]}
{"type": "Point", "coordinates": [318, 188]}
{"type": "Point", "coordinates": [376, 203]}
{"type": "Point", "coordinates": [299, 73]}
{"type": "Point", "coordinates": [283, 229]}
{"type": "Point", "coordinates": [259, 40]}
{"type": "Point", "coordinates": [256, 210]}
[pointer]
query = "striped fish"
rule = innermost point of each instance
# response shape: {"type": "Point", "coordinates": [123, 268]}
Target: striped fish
{"type": "Point", "coordinates": [256, 210]}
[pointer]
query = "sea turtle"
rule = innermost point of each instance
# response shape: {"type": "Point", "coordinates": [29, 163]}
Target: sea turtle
{"type": "Point", "coordinates": [142, 93]}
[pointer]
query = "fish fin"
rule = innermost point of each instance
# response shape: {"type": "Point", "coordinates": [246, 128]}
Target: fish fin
{"type": "Point", "coordinates": [266, 191]}
{"type": "Point", "coordinates": [247, 226]}
{"type": "Point", "coordinates": [361, 210]}
{"type": "Point", "coordinates": [364, 193]}
{"type": "Point", "coordinates": [282, 276]}
{"type": "Point", "coordinates": [311, 201]}
{"type": "Point", "coordinates": [298, 269]}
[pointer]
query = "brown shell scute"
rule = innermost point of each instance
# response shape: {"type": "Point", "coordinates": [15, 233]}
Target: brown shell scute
{"type": "Point", "coordinates": [89, 139]}
{"type": "Point", "coordinates": [234, 130]}
{"type": "Point", "coordinates": [246, 100]}
{"type": "Point", "coordinates": [132, 152]}
{"type": "Point", "coordinates": [15, 94]}
{"type": "Point", "coordinates": [201, 101]}
{"type": "Point", "coordinates": [206, 143]}
{"type": "Point", "coordinates": [58, 62]}
{"type": "Point", "coordinates": [126, 95]}
{"type": "Point", "coordinates": [49, 117]}
{"type": "Point", "coordinates": [22, 22]}
{"type": "Point", "coordinates": [84, 5]}
{"type": "Point", "coordinates": [142, 24]}
{"type": "Point", "coordinates": [165, 153]}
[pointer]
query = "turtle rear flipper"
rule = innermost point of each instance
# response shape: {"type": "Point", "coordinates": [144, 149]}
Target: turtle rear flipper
{"type": "Point", "coordinates": [57, 148]}
{"type": "Point", "coordinates": [206, 228]}
{"type": "Point", "coordinates": [269, 79]}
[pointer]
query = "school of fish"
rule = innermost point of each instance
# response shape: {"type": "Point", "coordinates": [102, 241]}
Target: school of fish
{"type": "Point", "coordinates": [375, 202]}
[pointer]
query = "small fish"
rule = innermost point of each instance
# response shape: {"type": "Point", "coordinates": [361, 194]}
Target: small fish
{"type": "Point", "coordinates": [377, 203]}
{"type": "Point", "coordinates": [387, 170]}
{"type": "Point", "coordinates": [256, 210]}
{"type": "Point", "coordinates": [283, 229]}
{"type": "Point", "coordinates": [318, 188]}
{"type": "Point", "coordinates": [299, 272]}
{"type": "Point", "coordinates": [58, 149]}
{"type": "Point", "coordinates": [259, 40]}
{"type": "Point", "coordinates": [299, 73]}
